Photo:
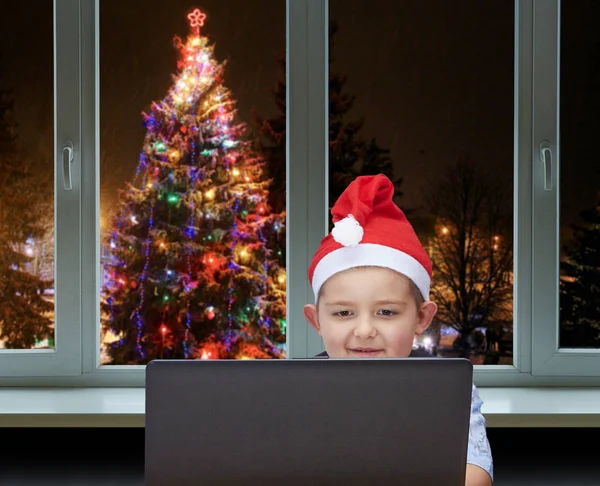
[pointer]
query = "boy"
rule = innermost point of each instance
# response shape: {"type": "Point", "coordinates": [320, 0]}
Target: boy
{"type": "Point", "coordinates": [371, 279]}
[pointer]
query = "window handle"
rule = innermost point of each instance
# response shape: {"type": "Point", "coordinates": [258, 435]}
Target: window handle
{"type": "Point", "coordinates": [67, 159]}
{"type": "Point", "coordinates": [546, 158]}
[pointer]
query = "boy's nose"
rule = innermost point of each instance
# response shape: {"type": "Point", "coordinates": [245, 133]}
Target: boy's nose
{"type": "Point", "coordinates": [365, 329]}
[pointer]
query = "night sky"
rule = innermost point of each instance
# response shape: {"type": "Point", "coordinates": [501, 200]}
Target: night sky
{"type": "Point", "coordinates": [433, 79]}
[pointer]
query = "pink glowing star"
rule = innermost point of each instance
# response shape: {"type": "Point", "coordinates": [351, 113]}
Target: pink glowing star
{"type": "Point", "coordinates": [196, 19]}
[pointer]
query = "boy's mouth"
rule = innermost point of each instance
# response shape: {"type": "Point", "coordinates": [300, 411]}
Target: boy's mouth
{"type": "Point", "coordinates": [366, 352]}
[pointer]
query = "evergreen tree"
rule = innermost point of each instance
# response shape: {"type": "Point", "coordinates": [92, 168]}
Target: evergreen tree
{"type": "Point", "coordinates": [580, 284]}
{"type": "Point", "coordinates": [193, 274]}
{"type": "Point", "coordinates": [350, 155]}
{"type": "Point", "coordinates": [25, 306]}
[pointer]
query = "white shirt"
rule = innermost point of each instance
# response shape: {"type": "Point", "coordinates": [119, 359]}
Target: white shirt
{"type": "Point", "coordinates": [479, 452]}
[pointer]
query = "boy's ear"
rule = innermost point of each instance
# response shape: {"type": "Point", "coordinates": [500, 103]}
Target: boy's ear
{"type": "Point", "coordinates": [425, 317]}
{"type": "Point", "coordinates": [310, 312]}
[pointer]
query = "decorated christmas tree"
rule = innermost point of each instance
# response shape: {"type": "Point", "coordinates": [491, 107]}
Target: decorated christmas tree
{"type": "Point", "coordinates": [192, 272]}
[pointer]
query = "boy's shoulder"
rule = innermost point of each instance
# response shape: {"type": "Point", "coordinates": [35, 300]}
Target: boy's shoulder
{"type": "Point", "coordinates": [415, 353]}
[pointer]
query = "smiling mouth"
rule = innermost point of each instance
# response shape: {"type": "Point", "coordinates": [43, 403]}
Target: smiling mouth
{"type": "Point", "coordinates": [366, 352]}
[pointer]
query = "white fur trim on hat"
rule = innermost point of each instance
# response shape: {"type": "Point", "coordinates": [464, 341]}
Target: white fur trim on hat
{"type": "Point", "coordinates": [370, 254]}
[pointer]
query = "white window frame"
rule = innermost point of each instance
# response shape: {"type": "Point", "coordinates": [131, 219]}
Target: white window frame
{"type": "Point", "coordinates": [306, 197]}
{"type": "Point", "coordinates": [548, 359]}
{"type": "Point", "coordinates": [65, 358]}
{"type": "Point", "coordinates": [537, 360]}
{"type": "Point", "coordinates": [76, 361]}
{"type": "Point", "coordinates": [307, 162]}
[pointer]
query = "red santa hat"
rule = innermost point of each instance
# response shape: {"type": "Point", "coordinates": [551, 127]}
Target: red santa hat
{"type": "Point", "coordinates": [370, 230]}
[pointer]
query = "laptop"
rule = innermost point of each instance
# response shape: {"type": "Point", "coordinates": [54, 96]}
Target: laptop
{"type": "Point", "coordinates": [307, 422]}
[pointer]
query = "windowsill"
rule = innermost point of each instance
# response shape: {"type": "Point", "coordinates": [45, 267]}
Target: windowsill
{"type": "Point", "coordinates": [124, 407]}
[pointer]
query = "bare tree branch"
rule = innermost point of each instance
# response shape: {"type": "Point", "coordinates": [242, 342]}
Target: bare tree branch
{"type": "Point", "coordinates": [471, 248]}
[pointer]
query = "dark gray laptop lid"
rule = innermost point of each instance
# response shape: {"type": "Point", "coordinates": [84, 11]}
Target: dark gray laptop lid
{"type": "Point", "coordinates": [308, 422]}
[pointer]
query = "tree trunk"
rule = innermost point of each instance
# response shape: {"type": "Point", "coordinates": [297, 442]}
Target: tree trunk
{"type": "Point", "coordinates": [463, 345]}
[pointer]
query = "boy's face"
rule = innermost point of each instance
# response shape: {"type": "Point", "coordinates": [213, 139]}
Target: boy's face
{"type": "Point", "coordinates": [369, 312]}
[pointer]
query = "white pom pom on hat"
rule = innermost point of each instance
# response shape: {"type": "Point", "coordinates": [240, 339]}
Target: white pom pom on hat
{"type": "Point", "coordinates": [370, 230]}
{"type": "Point", "coordinates": [348, 231]}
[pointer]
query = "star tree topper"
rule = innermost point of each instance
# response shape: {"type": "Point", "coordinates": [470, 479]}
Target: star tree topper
{"type": "Point", "coordinates": [196, 19]}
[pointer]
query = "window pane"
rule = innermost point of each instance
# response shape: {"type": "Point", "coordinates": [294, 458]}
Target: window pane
{"type": "Point", "coordinates": [27, 176]}
{"type": "Point", "coordinates": [579, 175]}
{"type": "Point", "coordinates": [192, 166]}
{"type": "Point", "coordinates": [422, 91]}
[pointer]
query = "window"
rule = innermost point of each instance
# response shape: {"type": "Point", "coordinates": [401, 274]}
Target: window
{"type": "Point", "coordinates": [192, 182]}
{"type": "Point", "coordinates": [579, 174]}
{"type": "Point", "coordinates": [39, 121]}
{"type": "Point", "coordinates": [415, 94]}
{"type": "Point", "coordinates": [27, 208]}
{"type": "Point", "coordinates": [157, 200]}
{"type": "Point", "coordinates": [566, 204]}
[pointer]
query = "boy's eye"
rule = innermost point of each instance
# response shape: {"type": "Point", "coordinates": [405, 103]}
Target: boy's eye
{"type": "Point", "coordinates": [387, 312]}
{"type": "Point", "coordinates": [344, 313]}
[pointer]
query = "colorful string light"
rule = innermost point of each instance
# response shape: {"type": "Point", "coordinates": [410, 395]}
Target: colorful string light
{"type": "Point", "coordinates": [196, 182]}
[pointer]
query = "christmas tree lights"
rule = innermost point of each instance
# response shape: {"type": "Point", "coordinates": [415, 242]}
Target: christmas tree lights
{"type": "Point", "coordinates": [193, 274]}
